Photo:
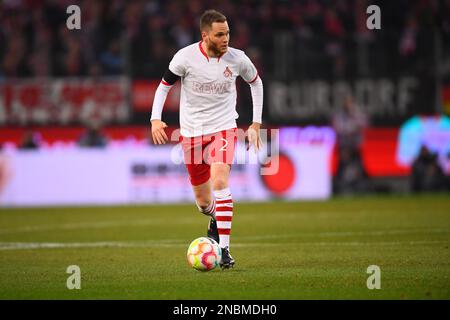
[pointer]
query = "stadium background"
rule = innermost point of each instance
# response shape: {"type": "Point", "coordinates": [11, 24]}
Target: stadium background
{"type": "Point", "coordinates": [306, 51]}
{"type": "Point", "coordinates": [57, 84]}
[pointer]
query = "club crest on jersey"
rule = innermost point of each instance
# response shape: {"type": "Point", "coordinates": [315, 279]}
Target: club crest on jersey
{"type": "Point", "coordinates": [227, 73]}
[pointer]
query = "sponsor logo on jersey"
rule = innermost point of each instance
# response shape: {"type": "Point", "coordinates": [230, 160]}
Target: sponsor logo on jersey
{"type": "Point", "coordinates": [212, 88]}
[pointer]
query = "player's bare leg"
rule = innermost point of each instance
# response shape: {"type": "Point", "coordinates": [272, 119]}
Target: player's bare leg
{"type": "Point", "coordinates": [224, 209]}
{"type": "Point", "coordinates": [207, 205]}
{"type": "Point", "coordinates": [219, 175]}
{"type": "Point", "coordinates": [203, 197]}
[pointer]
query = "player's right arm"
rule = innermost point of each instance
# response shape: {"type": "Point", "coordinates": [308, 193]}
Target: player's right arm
{"type": "Point", "coordinates": [158, 134]}
{"type": "Point", "coordinates": [172, 74]}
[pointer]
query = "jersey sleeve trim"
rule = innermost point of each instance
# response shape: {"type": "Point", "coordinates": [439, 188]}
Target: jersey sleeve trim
{"type": "Point", "coordinates": [256, 77]}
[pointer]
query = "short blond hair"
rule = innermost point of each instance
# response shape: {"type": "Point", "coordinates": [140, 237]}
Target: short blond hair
{"type": "Point", "coordinates": [209, 17]}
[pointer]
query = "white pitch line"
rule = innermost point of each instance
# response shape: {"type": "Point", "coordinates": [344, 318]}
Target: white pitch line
{"type": "Point", "coordinates": [177, 243]}
{"type": "Point", "coordinates": [346, 233]}
{"type": "Point", "coordinates": [93, 225]}
{"type": "Point", "coordinates": [127, 223]}
{"type": "Point", "coordinates": [101, 244]}
{"type": "Point", "coordinates": [153, 222]}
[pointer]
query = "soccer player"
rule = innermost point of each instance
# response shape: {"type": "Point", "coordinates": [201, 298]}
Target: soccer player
{"type": "Point", "coordinates": [208, 70]}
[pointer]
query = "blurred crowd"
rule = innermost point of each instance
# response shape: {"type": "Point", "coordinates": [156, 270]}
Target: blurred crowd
{"type": "Point", "coordinates": [427, 173]}
{"type": "Point", "coordinates": [139, 37]}
{"type": "Point", "coordinates": [286, 39]}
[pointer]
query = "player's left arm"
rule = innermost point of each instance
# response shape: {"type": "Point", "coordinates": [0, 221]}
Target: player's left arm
{"type": "Point", "coordinates": [253, 132]}
{"type": "Point", "coordinates": [249, 73]}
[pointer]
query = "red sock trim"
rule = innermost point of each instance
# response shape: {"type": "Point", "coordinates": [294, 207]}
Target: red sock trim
{"type": "Point", "coordinates": [224, 231]}
{"type": "Point", "coordinates": [224, 201]}
{"type": "Point", "coordinates": [228, 209]}
{"type": "Point", "coordinates": [224, 218]}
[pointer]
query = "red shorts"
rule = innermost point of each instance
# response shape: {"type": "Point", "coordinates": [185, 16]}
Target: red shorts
{"type": "Point", "coordinates": [200, 152]}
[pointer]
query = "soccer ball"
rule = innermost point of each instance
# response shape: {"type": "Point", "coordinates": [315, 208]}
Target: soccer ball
{"type": "Point", "coordinates": [204, 254]}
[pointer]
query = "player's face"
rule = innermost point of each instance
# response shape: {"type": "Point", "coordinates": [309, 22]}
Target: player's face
{"type": "Point", "coordinates": [217, 38]}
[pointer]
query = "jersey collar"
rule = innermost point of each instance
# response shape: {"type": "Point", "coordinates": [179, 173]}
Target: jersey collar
{"type": "Point", "coordinates": [204, 53]}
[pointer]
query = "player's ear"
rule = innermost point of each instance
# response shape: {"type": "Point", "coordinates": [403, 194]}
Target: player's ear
{"type": "Point", "coordinates": [204, 35]}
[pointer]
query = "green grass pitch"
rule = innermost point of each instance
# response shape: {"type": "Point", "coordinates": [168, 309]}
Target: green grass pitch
{"type": "Point", "coordinates": [283, 250]}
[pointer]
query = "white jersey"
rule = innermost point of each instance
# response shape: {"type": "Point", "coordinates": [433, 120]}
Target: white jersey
{"type": "Point", "coordinates": [208, 88]}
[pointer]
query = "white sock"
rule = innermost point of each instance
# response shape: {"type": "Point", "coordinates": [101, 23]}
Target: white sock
{"type": "Point", "coordinates": [224, 215]}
